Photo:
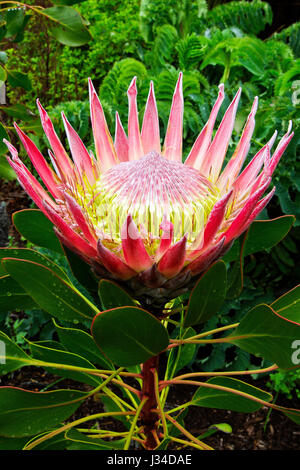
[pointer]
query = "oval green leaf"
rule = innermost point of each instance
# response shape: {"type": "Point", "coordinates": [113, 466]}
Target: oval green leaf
{"type": "Point", "coordinates": [265, 333]}
{"type": "Point", "coordinates": [80, 342]}
{"type": "Point", "coordinates": [113, 296]}
{"type": "Point", "coordinates": [13, 296]}
{"type": "Point", "coordinates": [16, 78]}
{"type": "Point", "coordinates": [34, 256]}
{"type": "Point", "coordinates": [12, 357]}
{"type": "Point", "coordinates": [82, 271]}
{"type": "Point", "coordinates": [262, 235]}
{"type": "Point", "coordinates": [36, 228]}
{"type": "Point", "coordinates": [288, 305]}
{"type": "Point", "coordinates": [69, 26]}
{"type": "Point", "coordinates": [129, 335]}
{"type": "Point", "coordinates": [208, 295]}
{"type": "Point", "coordinates": [82, 442]}
{"type": "Point", "coordinates": [56, 356]}
{"type": "Point", "coordinates": [228, 399]}
{"type": "Point", "coordinates": [49, 291]}
{"type": "Point", "coordinates": [25, 413]}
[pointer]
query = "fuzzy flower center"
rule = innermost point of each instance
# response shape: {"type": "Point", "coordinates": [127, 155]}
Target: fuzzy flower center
{"type": "Point", "coordinates": [152, 189]}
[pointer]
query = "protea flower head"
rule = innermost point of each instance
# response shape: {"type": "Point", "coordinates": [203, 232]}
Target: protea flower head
{"type": "Point", "coordinates": [134, 211]}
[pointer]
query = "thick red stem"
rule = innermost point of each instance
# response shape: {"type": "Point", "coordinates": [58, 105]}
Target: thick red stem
{"type": "Point", "coordinates": [149, 415]}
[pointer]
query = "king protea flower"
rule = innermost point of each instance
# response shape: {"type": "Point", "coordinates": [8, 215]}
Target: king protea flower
{"type": "Point", "coordinates": [134, 211]}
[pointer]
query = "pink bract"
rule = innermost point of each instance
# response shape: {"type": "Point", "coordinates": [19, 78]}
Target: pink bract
{"type": "Point", "coordinates": [134, 211]}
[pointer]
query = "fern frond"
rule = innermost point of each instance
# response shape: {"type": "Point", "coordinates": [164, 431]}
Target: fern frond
{"type": "Point", "coordinates": [285, 81]}
{"type": "Point", "coordinates": [250, 17]}
{"type": "Point", "coordinates": [166, 37]}
{"type": "Point", "coordinates": [290, 36]}
{"type": "Point", "coordinates": [191, 50]}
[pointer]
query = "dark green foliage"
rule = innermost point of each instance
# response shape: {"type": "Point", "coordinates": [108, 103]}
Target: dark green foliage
{"type": "Point", "coordinates": [250, 17]}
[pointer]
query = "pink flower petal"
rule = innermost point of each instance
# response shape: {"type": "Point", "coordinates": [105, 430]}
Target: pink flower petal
{"type": "Point", "coordinates": [215, 219]}
{"type": "Point", "coordinates": [103, 142]}
{"type": "Point", "coordinates": [199, 149]}
{"type": "Point", "coordinates": [80, 219]}
{"type": "Point", "coordinates": [134, 136]}
{"type": "Point", "coordinates": [173, 260]}
{"type": "Point", "coordinates": [150, 127]}
{"type": "Point", "coordinates": [284, 142]}
{"type": "Point", "coordinates": [251, 171]}
{"type": "Point", "coordinates": [166, 238]}
{"type": "Point", "coordinates": [64, 163]}
{"type": "Point", "coordinates": [206, 258]}
{"type": "Point", "coordinates": [39, 163]}
{"type": "Point", "coordinates": [74, 239]}
{"type": "Point", "coordinates": [235, 163]}
{"type": "Point", "coordinates": [260, 206]}
{"type": "Point", "coordinates": [30, 185]}
{"type": "Point", "coordinates": [135, 253]}
{"type": "Point", "coordinates": [114, 264]}
{"type": "Point", "coordinates": [121, 141]}
{"type": "Point", "coordinates": [213, 161]}
{"type": "Point", "coordinates": [80, 154]}
{"type": "Point", "coordinates": [172, 149]}
{"type": "Point", "coordinates": [244, 214]}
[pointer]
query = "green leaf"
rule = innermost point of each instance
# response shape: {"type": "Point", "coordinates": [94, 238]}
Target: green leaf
{"type": "Point", "coordinates": [82, 442]}
{"type": "Point", "coordinates": [16, 78]}
{"type": "Point", "coordinates": [13, 297]}
{"type": "Point", "coordinates": [47, 354]}
{"type": "Point", "coordinates": [3, 75]}
{"type": "Point", "coordinates": [12, 357]}
{"type": "Point", "coordinates": [13, 443]}
{"type": "Point", "coordinates": [3, 135]}
{"type": "Point", "coordinates": [264, 333]}
{"type": "Point", "coordinates": [82, 271]}
{"type": "Point", "coordinates": [80, 342]}
{"type": "Point", "coordinates": [32, 255]}
{"type": "Point", "coordinates": [6, 170]}
{"type": "Point", "coordinates": [49, 291]}
{"type": "Point", "coordinates": [185, 352]}
{"type": "Point", "coordinates": [208, 295]}
{"type": "Point", "coordinates": [129, 335]}
{"type": "Point", "coordinates": [288, 305]}
{"type": "Point", "coordinates": [235, 273]}
{"type": "Point", "coordinates": [19, 111]}
{"type": "Point", "coordinates": [14, 21]}
{"type": "Point", "coordinates": [223, 427]}
{"type": "Point", "coordinates": [262, 235]}
{"type": "Point", "coordinates": [69, 26]}
{"type": "Point", "coordinates": [58, 442]}
{"type": "Point", "coordinates": [113, 296]}
{"type": "Point", "coordinates": [292, 414]}
{"type": "Point", "coordinates": [35, 227]}
{"type": "Point", "coordinates": [25, 413]}
{"type": "Point", "coordinates": [227, 400]}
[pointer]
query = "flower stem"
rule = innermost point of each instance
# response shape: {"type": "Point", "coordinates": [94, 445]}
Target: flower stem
{"type": "Point", "coordinates": [149, 414]}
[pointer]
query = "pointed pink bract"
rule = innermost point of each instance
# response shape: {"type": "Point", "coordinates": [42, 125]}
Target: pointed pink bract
{"type": "Point", "coordinates": [134, 136]}
{"type": "Point", "coordinates": [121, 141]}
{"type": "Point", "coordinates": [105, 150]}
{"type": "Point", "coordinates": [150, 128]}
{"type": "Point", "coordinates": [172, 149]}
{"type": "Point", "coordinates": [134, 251]}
